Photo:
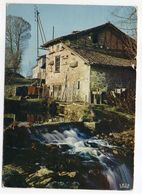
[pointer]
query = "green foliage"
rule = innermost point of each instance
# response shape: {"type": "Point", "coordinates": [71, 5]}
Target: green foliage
{"type": "Point", "coordinates": [124, 102]}
{"type": "Point", "coordinates": [87, 116]}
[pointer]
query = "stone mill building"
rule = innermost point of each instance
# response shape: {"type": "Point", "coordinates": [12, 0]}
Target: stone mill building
{"type": "Point", "coordinates": [86, 64]}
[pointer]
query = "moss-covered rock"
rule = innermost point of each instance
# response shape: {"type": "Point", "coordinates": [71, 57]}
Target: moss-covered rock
{"type": "Point", "coordinates": [13, 177]}
{"type": "Point", "coordinates": [40, 178]}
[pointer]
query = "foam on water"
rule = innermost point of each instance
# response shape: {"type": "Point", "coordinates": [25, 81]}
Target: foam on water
{"type": "Point", "coordinates": [90, 149]}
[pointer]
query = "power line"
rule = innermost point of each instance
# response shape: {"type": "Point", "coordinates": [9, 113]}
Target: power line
{"type": "Point", "coordinates": [40, 30]}
{"type": "Point", "coordinates": [36, 12]}
{"type": "Point", "coordinates": [41, 34]}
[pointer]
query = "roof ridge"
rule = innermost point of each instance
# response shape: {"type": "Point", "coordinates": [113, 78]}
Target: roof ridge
{"type": "Point", "coordinates": [58, 39]}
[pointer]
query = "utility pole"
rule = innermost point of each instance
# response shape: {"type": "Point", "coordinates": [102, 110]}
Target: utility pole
{"type": "Point", "coordinates": [40, 36]}
{"type": "Point", "coordinates": [40, 31]}
{"type": "Point", "coordinates": [37, 16]}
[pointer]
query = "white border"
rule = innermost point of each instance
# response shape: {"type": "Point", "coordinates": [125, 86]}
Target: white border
{"type": "Point", "coordinates": [138, 129]}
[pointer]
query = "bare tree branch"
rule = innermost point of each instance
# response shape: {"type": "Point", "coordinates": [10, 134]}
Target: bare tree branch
{"type": "Point", "coordinates": [126, 19]}
{"type": "Point", "coordinates": [17, 34]}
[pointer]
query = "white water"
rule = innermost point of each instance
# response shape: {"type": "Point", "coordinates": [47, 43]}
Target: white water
{"type": "Point", "coordinates": [89, 149]}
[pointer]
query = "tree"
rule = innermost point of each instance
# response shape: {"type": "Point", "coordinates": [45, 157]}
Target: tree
{"type": "Point", "coordinates": [126, 19]}
{"type": "Point", "coordinates": [17, 34]}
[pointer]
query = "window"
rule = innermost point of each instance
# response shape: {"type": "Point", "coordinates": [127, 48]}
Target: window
{"type": "Point", "coordinates": [43, 65]}
{"type": "Point", "coordinates": [78, 85]}
{"type": "Point", "coordinates": [57, 64]}
{"type": "Point", "coordinates": [95, 39]}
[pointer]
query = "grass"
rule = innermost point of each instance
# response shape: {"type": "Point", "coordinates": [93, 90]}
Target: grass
{"type": "Point", "coordinates": [114, 109]}
{"type": "Point", "coordinates": [10, 85]}
{"type": "Point", "coordinates": [35, 100]}
{"type": "Point", "coordinates": [18, 80]}
{"type": "Point", "coordinates": [11, 116]}
{"type": "Point", "coordinates": [109, 119]}
{"type": "Point", "coordinates": [9, 91]}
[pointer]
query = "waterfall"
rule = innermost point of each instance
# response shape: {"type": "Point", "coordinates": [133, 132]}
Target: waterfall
{"type": "Point", "coordinates": [90, 150]}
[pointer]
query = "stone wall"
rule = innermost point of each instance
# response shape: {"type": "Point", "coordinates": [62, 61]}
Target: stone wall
{"type": "Point", "coordinates": [37, 71]}
{"type": "Point", "coordinates": [108, 78]}
{"type": "Point", "coordinates": [72, 82]}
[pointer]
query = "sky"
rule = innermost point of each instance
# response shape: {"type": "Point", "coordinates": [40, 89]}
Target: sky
{"type": "Point", "coordinates": [64, 18]}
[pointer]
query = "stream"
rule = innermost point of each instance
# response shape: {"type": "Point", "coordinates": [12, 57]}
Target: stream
{"type": "Point", "coordinates": [76, 158]}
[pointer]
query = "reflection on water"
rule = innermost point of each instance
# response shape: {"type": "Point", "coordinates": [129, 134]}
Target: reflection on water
{"type": "Point", "coordinates": [30, 117]}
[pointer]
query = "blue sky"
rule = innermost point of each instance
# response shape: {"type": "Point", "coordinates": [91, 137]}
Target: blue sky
{"type": "Point", "coordinates": [65, 19]}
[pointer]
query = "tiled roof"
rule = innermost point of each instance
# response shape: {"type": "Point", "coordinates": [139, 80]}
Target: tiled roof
{"type": "Point", "coordinates": [95, 57]}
